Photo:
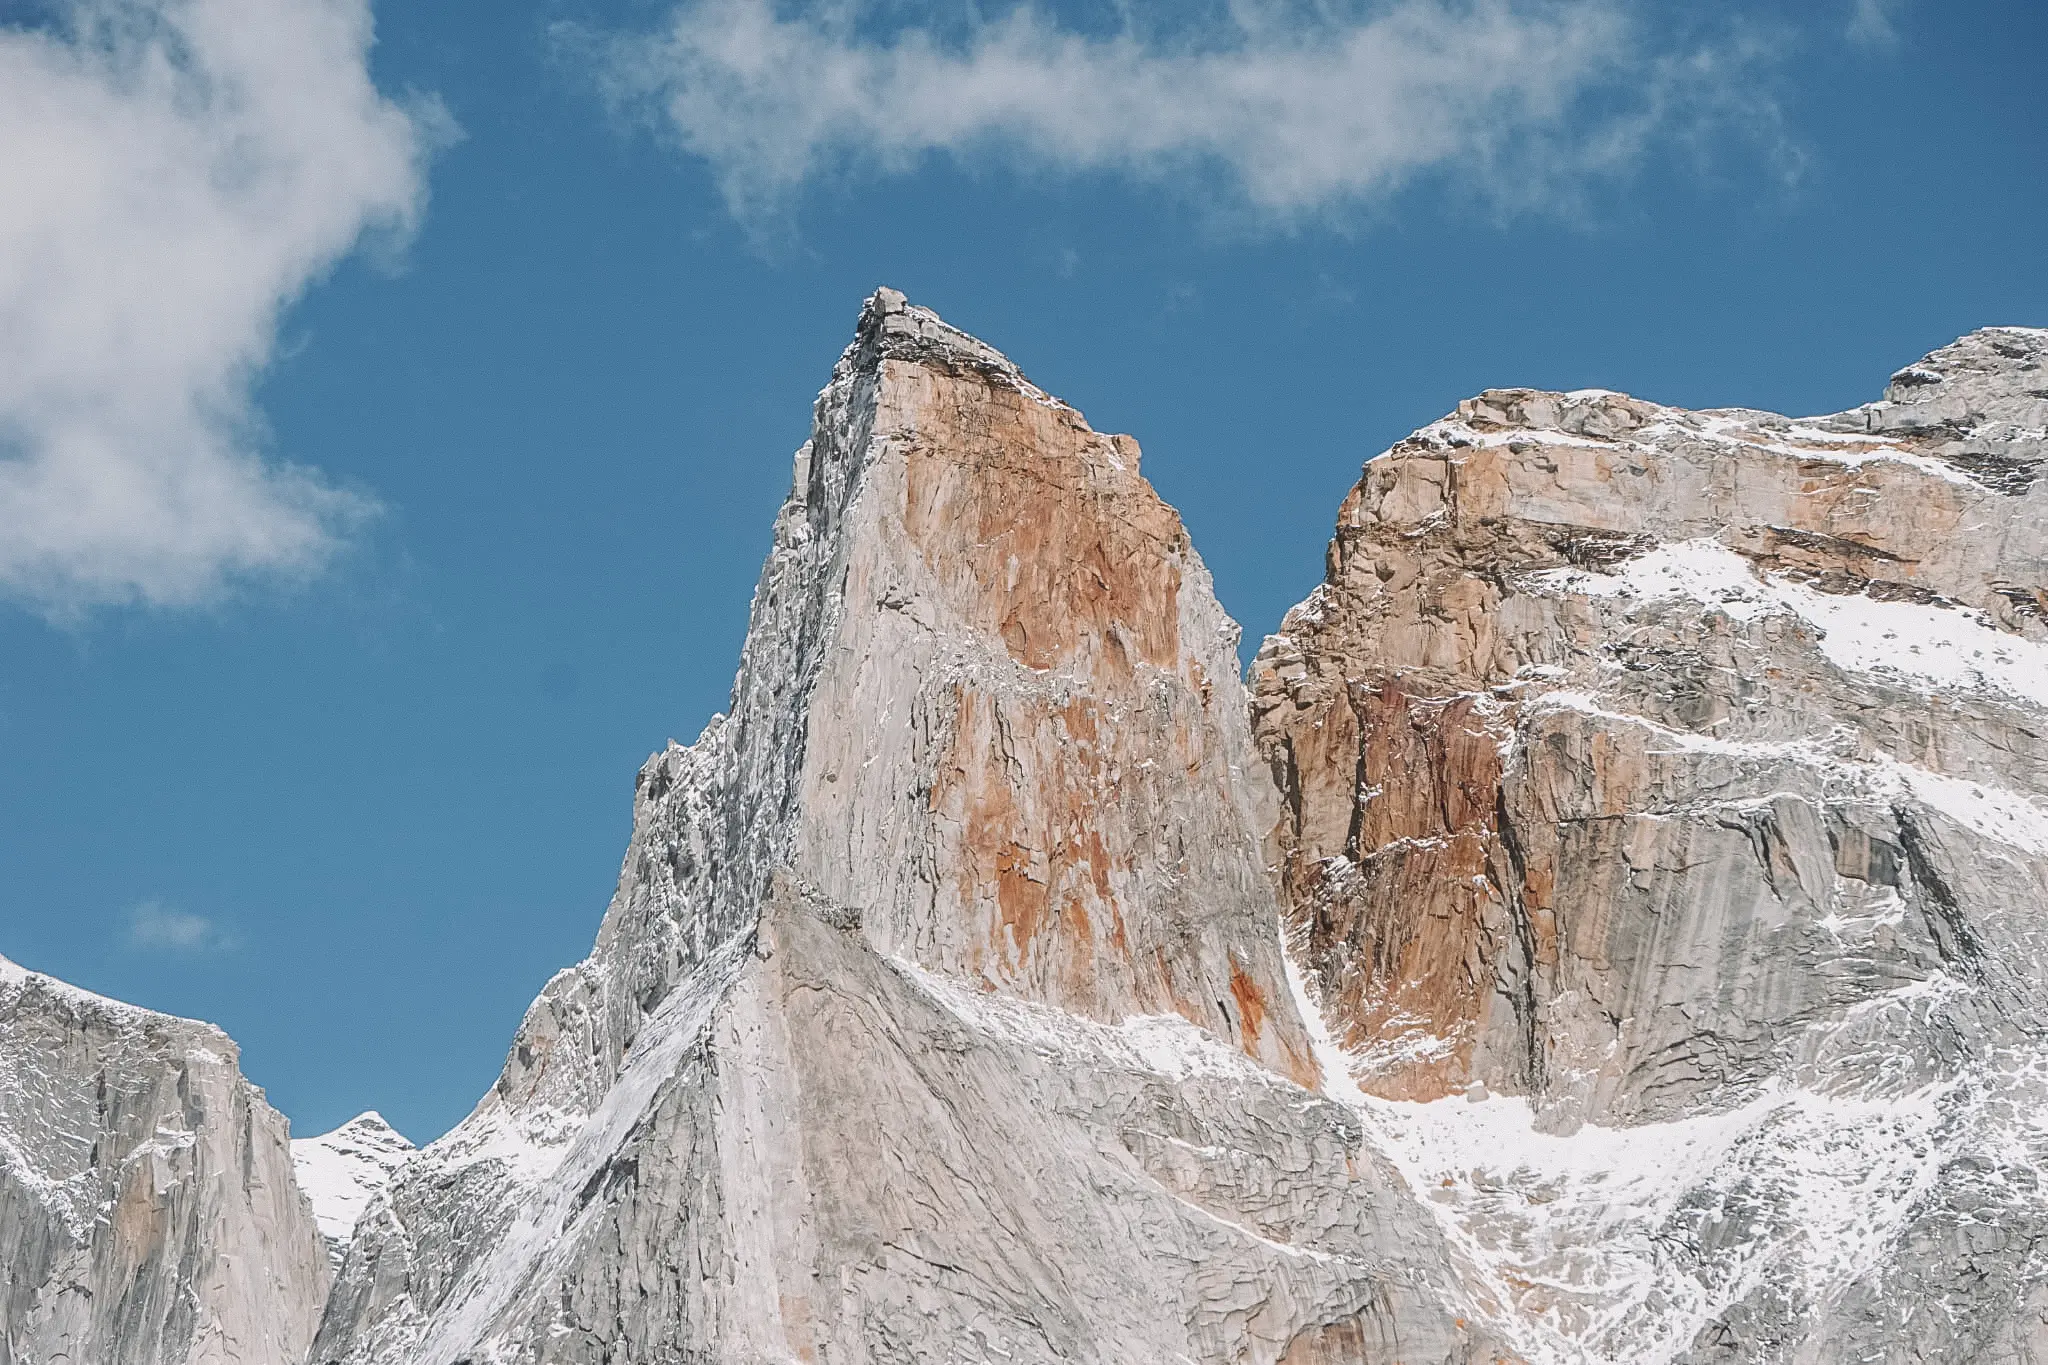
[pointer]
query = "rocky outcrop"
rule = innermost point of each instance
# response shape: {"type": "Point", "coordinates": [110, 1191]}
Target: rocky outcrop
{"type": "Point", "coordinates": [147, 1210]}
{"type": "Point", "coordinates": [820, 1153]}
{"type": "Point", "coordinates": [1682, 773]}
{"type": "Point", "coordinates": [940, 1012]}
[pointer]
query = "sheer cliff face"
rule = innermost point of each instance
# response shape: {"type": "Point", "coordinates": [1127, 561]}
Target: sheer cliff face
{"type": "Point", "coordinates": [940, 1012]}
{"type": "Point", "coordinates": [147, 1210]}
{"type": "Point", "coordinates": [1658, 765]}
{"type": "Point", "coordinates": [1023, 756]}
{"type": "Point", "coordinates": [989, 697]}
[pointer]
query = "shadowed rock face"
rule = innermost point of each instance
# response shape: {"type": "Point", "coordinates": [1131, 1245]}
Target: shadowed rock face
{"type": "Point", "coordinates": [147, 1210]}
{"type": "Point", "coordinates": [1656, 765]}
{"type": "Point", "coordinates": [940, 1012]}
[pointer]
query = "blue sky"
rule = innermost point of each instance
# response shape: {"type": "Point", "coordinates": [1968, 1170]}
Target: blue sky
{"type": "Point", "coordinates": [388, 445]}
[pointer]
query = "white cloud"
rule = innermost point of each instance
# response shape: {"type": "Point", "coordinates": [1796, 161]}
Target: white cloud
{"type": "Point", "coordinates": [172, 174]}
{"type": "Point", "coordinates": [155, 926]}
{"type": "Point", "coordinates": [1304, 107]}
{"type": "Point", "coordinates": [1875, 22]}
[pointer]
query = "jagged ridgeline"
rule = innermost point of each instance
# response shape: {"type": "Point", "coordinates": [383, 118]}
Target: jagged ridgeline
{"type": "Point", "coordinates": [1610, 929]}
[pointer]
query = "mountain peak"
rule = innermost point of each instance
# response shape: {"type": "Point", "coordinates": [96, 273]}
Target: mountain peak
{"type": "Point", "coordinates": [341, 1171]}
{"type": "Point", "coordinates": [1028, 672]}
{"type": "Point", "coordinates": [902, 330]}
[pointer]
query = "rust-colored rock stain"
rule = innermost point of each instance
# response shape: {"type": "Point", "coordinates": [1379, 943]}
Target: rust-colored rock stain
{"type": "Point", "coordinates": [1392, 871]}
{"type": "Point", "coordinates": [1043, 532]}
{"type": "Point", "coordinates": [1051, 797]}
{"type": "Point", "coordinates": [1251, 1005]}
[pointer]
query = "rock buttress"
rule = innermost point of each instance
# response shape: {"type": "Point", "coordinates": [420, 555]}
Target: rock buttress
{"type": "Point", "coordinates": [1026, 1080]}
{"type": "Point", "coordinates": [1025, 759]}
{"type": "Point", "coordinates": [148, 1214]}
{"type": "Point", "coordinates": [1657, 765]}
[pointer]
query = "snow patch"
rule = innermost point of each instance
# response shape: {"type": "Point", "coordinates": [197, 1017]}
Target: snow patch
{"type": "Point", "coordinates": [2005, 816]}
{"type": "Point", "coordinates": [1925, 647]}
{"type": "Point", "coordinates": [1804, 440]}
{"type": "Point", "coordinates": [2014, 819]}
{"type": "Point", "coordinates": [1165, 1044]}
{"type": "Point", "coordinates": [1942, 646]}
{"type": "Point", "coordinates": [1613, 1244]}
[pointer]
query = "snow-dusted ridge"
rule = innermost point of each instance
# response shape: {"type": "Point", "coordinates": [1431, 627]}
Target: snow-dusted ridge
{"type": "Point", "coordinates": [147, 1202]}
{"type": "Point", "coordinates": [1926, 646]}
{"type": "Point", "coordinates": [343, 1170]}
{"type": "Point", "coordinates": [13, 974]}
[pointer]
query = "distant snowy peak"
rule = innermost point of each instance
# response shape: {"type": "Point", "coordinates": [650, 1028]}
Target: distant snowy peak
{"type": "Point", "coordinates": [342, 1171]}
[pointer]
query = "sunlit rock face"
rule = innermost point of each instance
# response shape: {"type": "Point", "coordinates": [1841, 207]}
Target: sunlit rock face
{"type": "Point", "coordinates": [1610, 929]}
{"type": "Point", "coordinates": [1025, 748]}
{"type": "Point", "coordinates": [148, 1214]}
{"type": "Point", "coordinates": [1680, 776]}
{"type": "Point", "coordinates": [941, 1012]}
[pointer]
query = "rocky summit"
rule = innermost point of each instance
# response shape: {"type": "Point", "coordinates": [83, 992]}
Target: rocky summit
{"type": "Point", "coordinates": [1608, 928]}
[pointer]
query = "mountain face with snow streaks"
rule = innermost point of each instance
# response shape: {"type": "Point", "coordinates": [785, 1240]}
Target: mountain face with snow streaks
{"type": "Point", "coordinates": [1681, 775]}
{"type": "Point", "coordinates": [148, 1214]}
{"type": "Point", "coordinates": [1608, 928]}
{"type": "Point", "coordinates": [941, 1011]}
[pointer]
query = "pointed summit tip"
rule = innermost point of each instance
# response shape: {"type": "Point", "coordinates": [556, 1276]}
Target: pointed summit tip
{"type": "Point", "coordinates": [372, 1126]}
{"type": "Point", "coordinates": [893, 328]}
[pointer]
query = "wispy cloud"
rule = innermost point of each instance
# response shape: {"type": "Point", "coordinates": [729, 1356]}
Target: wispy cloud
{"type": "Point", "coordinates": [1302, 108]}
{"type": "Point", "coordinates": [1875, 23]}
{"type": "Point", "coordinates": [173, 173]}
{"type": "Point", "coordinates": [152, 925]}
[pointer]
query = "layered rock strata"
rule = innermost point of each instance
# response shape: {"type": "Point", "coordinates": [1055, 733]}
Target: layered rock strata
{"type": "Point", "coordinates": [1682, 773]}
{"type": "Point", "coordinates": [940, 1012]}
{"type": "Point", "coordinates": [148, 1214]}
